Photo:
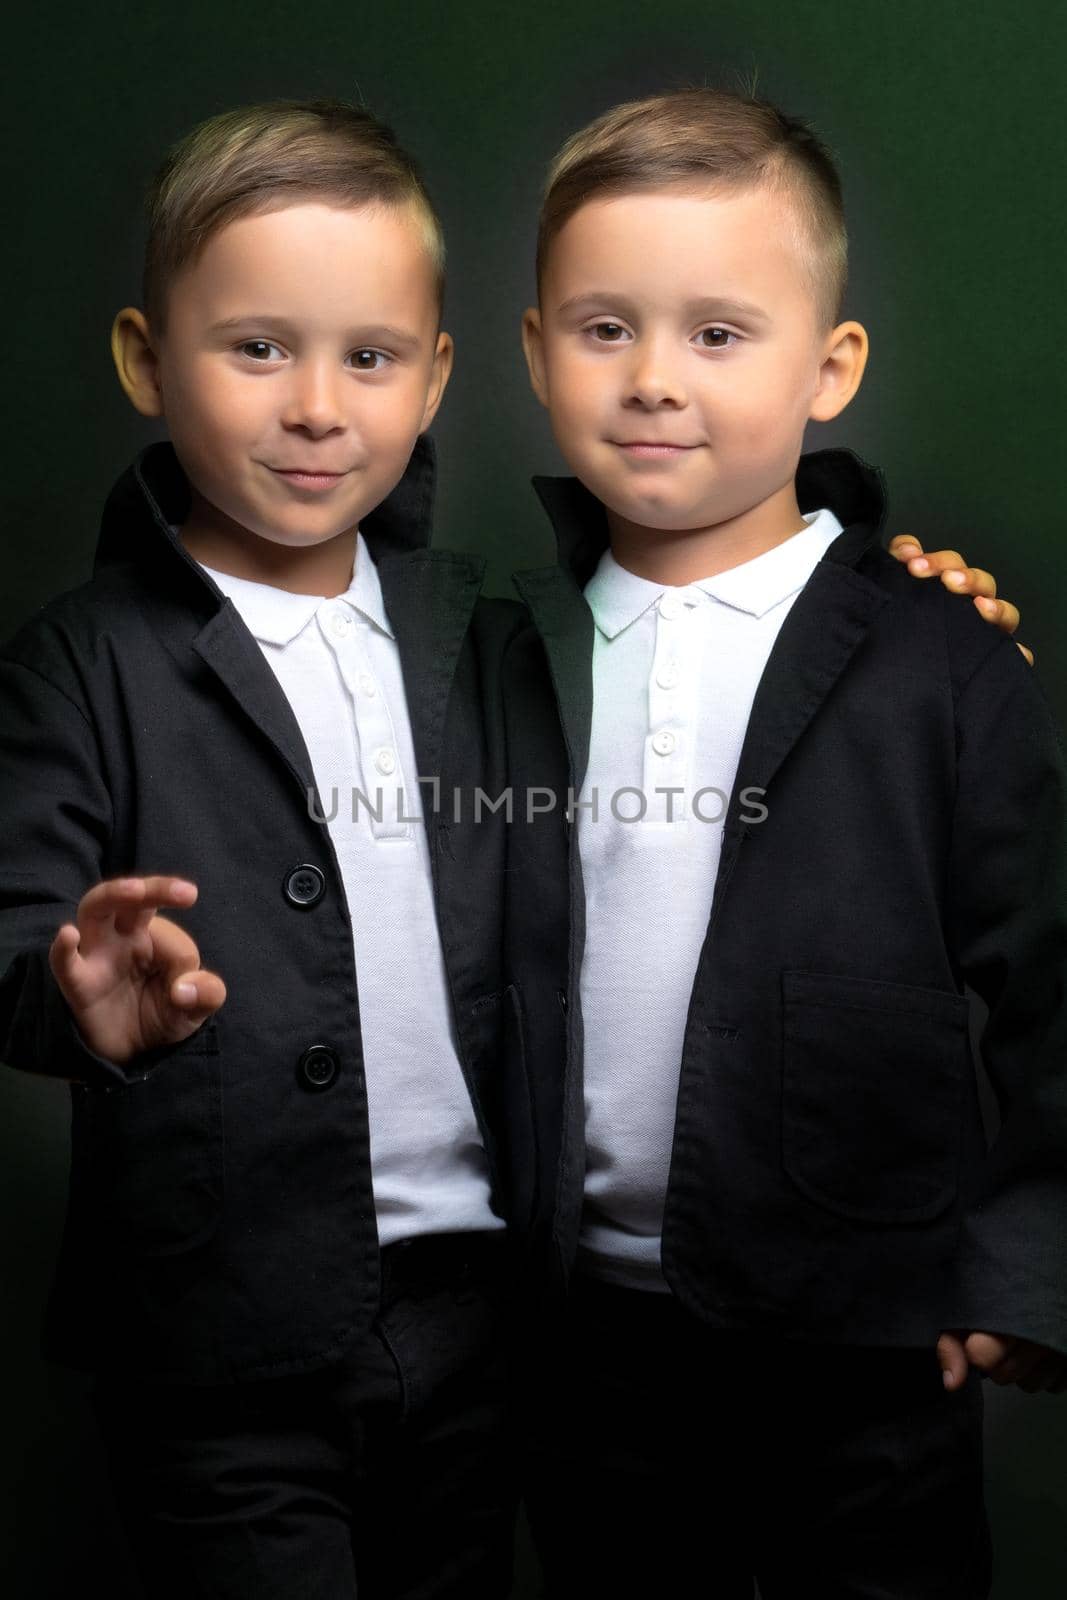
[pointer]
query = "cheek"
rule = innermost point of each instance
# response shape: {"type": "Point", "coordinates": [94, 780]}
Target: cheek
{"type": "Point", "coordinates": [578, 391]}
{"type": "Point", "coordinates": [220, 400]}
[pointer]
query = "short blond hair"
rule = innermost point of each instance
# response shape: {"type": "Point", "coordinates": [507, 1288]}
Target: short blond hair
{"type": "Point", "coordinates": [259, 157]}
{"type": "Point", "coordinates": [706, 138]}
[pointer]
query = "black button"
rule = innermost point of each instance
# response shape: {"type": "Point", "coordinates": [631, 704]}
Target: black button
{"type": "Point", "coordinates": [304, 886]}
{"type": "Point", "coordinates": [318, 1067]}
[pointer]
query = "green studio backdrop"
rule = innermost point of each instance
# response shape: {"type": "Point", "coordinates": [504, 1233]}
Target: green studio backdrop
{"type": "Point", "coordinates": [947, 123]}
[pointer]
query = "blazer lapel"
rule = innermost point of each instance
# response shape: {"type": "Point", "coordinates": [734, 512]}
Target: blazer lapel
{"type": "Point", "coordinates": [565, 623]}
{"type": "Point", "coordinates": [429, 597]}
{"type": "Point", "coordinates": [825, 625]}
{"type": "Point", "coordinates": [233, 655]}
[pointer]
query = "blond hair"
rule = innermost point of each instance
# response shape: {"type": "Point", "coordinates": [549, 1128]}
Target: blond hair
{"type": "Point", "coordinates": [260, 157]}
{"type": "Point", "coordinates": [714, 139]}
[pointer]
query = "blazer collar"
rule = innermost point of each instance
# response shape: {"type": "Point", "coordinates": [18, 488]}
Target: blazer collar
{"type": "Point", "coordinates": [837, 479]}
{"type": "Point", "coordinates": [153, 494]}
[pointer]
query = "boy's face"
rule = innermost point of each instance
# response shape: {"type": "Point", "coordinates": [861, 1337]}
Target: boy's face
{"type": "Point", "coordinates": [679, 352]}
{"type": "Point", "coordinates": [301, 340]}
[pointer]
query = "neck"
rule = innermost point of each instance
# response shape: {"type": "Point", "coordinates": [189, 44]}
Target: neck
{"type": "Point", "coordinates": [678, 556]}
{"type": "Point", "coordinates": [218, 542]}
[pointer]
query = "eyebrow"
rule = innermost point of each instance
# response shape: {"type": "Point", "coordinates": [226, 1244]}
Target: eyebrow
{"type": "Point", "coordinates": [706, 306]}
{"type": "Point", "coordinates": [381, 333]}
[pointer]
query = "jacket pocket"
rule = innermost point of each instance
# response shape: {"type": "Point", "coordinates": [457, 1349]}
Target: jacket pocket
{"type": "Point", "coordinates": [872, 1095]}
{"type": "Point", "coordinates": [150, 1152]}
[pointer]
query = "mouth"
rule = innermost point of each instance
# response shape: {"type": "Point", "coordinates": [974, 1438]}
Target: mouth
{"type": "Point", "coordinates": [652, 449]}
{"type": "Point", "coordinates": [302, 478]}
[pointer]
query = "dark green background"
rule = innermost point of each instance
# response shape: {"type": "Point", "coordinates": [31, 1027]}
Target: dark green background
{"type": "Point", "coordinates": [948, 124]}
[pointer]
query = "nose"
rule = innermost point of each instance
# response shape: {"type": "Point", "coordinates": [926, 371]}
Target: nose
{"type": "Point", "coordinates": [313, 401]}
{"type": "Point", "coordinates": [654, 378]}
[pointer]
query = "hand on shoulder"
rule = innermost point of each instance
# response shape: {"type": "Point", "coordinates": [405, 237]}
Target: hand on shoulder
{"type": "Point", "coordinates": [957, 576]}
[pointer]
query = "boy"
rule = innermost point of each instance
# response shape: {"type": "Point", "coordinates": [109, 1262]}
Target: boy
{"type": "Point", "coordinates": [285, 1245]}
{"type": "Point", "coordinates": [782, 1197]}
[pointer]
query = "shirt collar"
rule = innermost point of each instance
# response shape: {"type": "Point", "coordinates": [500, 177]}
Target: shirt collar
{"type": "Point", "coordinates": [276, 616]}
{"type": "Point", "coordinates": [617, 597]}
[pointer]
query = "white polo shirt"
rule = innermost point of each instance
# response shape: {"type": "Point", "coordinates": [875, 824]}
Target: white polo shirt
{"type": "Point", "coordinates": [338, 664]}
{"type": "Point", "coordinates": [675, 671]}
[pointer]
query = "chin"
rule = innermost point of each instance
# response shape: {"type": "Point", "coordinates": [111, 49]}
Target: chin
{"type": "Point", "coordinates": [657, 514]}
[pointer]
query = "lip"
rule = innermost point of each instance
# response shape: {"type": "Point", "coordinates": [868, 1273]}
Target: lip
{"type": "Point", "coordinates": [301, 478]}
{"type": "Point", "coordinates": [653, 449]}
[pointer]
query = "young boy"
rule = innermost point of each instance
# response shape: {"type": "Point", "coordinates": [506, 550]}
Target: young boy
{"type": "Point", "coordinates": [813, 800]}
{"type": "Point", "coordinates": [285, 1244]}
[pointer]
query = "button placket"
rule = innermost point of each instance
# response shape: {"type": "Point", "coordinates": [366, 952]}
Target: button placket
{"type": "Point", "coordinates": [672, 685]}
{"type": "Point", "coordinates": [379, 758]}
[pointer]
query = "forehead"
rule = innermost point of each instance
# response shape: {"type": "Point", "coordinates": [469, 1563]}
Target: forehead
{"type": "Point", "coordinates": [314, 254]}
{"type": "Point", "coordinates": [654, 243]}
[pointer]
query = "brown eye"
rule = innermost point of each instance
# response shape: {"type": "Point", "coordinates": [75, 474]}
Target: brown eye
{"type": "Point", "coordinates": [256, 345]}
{"type": "Point", "coordinates": [369, 360]}
{"type": "Point", "coordinates": [715, 338]}
{"type": "Point", "coordinates": [608, 332]}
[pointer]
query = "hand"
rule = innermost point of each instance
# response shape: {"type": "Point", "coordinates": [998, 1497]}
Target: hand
{"type": "Point", "coordinates": [1003, 1359]}
{"type": "Point", "coordinates": [948, 564]}
{"type": "Point", "coordinates": [131, 978]}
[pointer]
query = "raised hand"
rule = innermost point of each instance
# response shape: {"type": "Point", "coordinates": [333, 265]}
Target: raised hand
{"type": "Point", "coordinates": [131, 977]}
{"type": "Point", "coordinates": [956, 575]}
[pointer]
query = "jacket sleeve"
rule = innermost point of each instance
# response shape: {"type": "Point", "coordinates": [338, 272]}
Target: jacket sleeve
{"type": "Point", "coordinates": [1008, 896]}
{"type": "Point", "coordinates": [55, 823]}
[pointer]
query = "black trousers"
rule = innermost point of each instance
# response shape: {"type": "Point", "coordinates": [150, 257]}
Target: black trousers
{"type": "Point", "coordinates": [389, 1475]}
{"type": "Point", "coordinates": [668, 1459]}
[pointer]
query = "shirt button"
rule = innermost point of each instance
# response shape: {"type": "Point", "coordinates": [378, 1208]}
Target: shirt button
{"type": "Point", "coordinates": [304, 886]}
{"type": "Point", "coordinates": [669, 606]}
{"type": "Point", "coordinates": [340, 624]}
{"type": "Point", "coordinates": [663, 742]}
{"type": "Point", "coordinates": [367, 685]}
{"type": "Point", "coordinates": [385, 761]}
{"type": "Point", "coordinates": [318, 1067]}
{"type": "Point", "coordinates": [667, 676]}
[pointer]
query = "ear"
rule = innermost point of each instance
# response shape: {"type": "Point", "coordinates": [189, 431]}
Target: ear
{"type": "Point", "coordinates": [439, 375]}
{"type": "Point", "coordinates": [844, 356]}
{"type": "Point", "coordinates": [136, 361]}
{"type": "Point", "coordinates": [534, 351]}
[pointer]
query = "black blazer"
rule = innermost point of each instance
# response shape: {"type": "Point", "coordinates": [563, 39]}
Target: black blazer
{"type": "Point", "coordinates": [830, 1178]}
{"type": "Point", "coordinates": [220, 1220]}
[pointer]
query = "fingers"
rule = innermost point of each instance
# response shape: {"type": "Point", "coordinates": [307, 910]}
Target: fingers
{"type": "Point", "coordinates": [950, 567]}
{"type": "Point", "coordinates": [131, 903]}
{"type": "Point", "coordinates": [197, 994]}
{"type": "Point", "coordinates": [904, 546]}
{"type": "Point", "coordinates": [952, 1358]}
{"type": "Point", "coordinates": [958, 577]}
{"type": "Point", "coordinates": [987, 1350]}
{"type": "Point", "coordinates": [192, 990]}
{"type": "Point", "coordinates": [970, 580]}
{"type": "Point", "coordinates": [1006, 618]}
{"type": "Point", "coordinates": [936, 562]}
{"type": "Point", "coordinates": [1001, 612]}
{"type": "Point", "coordinates": [63, 958]}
